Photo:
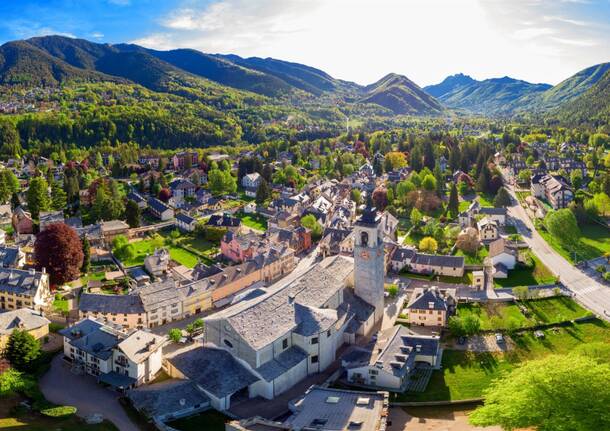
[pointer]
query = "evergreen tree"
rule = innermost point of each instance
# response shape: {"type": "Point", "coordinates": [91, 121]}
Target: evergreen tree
{"type": "Point", "coordinates": [58, 196]}
{"type": "Point", "coordinates": [484, 179]}
{"type": "Point", "coordinates": [38, 196]}
{"type": "Point", "coordinates": [454, 203]}
{"type": "Point", "coordinates": [502, 198]}
{"type": "Point", "coordinates": [86, 256]}
{"type": "Point", "coordinates": [132, 213]}
{"type": "Point", "coordinates": [263, 192]}
{"type": "Point", "coordinates": [22, 349]}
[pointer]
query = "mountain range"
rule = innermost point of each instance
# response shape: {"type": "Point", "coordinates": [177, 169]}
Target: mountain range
{"type": "Point", "coordinates": [55, 60]}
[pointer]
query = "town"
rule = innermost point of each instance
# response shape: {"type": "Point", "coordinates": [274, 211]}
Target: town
{"type": "Point", "coordinates": [312, 285]}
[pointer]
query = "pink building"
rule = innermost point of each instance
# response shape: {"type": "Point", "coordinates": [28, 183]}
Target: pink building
{"type": "Point", "coordinates": [239, 248]}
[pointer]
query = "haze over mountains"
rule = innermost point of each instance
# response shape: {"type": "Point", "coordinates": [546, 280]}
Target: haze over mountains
{"type": "Point", "coordinates": [54, 60]}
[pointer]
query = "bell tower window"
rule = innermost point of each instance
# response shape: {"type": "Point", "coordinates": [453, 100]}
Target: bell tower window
{"type": "Point", "coordinates": [364, 239]}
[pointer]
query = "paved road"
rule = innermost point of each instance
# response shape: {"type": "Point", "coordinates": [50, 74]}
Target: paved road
{"type": "Point", "coordinates": [61, 386]}
{"type": "Point", "coordinates": [588, 291]}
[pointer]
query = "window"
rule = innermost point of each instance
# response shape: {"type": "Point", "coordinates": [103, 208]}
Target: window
{"type": "Point", "coordinates": [228, 343]}
{"type": "Point", "coordinates": [285, 343]}
{"type": "Point", "coordinates": [328, 333]}
{"type": "Point", "coordinates": [314, 359]}
{"type": "Point", "coordinates": [314, 340]}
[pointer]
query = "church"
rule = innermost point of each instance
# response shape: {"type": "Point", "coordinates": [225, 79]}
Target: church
{"type": "Point", "coordinates": [278, 336]}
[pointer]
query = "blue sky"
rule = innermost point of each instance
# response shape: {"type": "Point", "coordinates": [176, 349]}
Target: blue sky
{"type": "Point", "coordinates": [358, 40]}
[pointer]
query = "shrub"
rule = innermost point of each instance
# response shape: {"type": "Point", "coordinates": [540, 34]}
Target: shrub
{"type": "Point", "coordinates": [175, 334]}
{"type": "Point", "coordinates": [392, 290]}
{"type": "Point", "coordinates": [59, 411]}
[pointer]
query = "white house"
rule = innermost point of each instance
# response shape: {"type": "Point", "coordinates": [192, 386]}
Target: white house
{"type": "Point", "coordinates": [160, 209]}
{"type": "Point", "coordinates": [502, 258]}
{"type": "Point", "coordinates": [389, 363]}
{"type": "Point", "coordinates": [116, 358]}
{"type": "Point", "coordinates": [250, 183]}
{"type": "Point", "coordinates": [185, 222]}
{"type": "Point", "coordinates": [488, 229]}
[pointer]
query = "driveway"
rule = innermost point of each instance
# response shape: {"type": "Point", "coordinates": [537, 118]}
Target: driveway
{"type": "Point", "coordinates": [587, 290]}
{"type": "Point", "coordinates": [437, 418]}
{"type": "Point", "coordinates": [61, 386]}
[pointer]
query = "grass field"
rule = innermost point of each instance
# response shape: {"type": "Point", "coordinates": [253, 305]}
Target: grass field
{"type": "Point", "coordinates": [475, 258]}
{"type": "Point", "coordinates": [467, 374]}
{"type": "Point", "coordinates": [540, 311]}
{"type": "Point", "coordinates": [253, 221]}
{"type": "Point", "coordinates": [527, 276]}
{"type": "Point", "coordinates": [594, 242]}
{"type": "Point", "coordinates": [147, 247]}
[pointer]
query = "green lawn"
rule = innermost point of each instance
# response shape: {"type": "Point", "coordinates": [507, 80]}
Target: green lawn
{"type": "Point", "coordinates": [60, 304]}
{"type": "Point", "coordinates": [463, 206]}
{"type": "Point", "coordinates": [37, 422]}
{"type": "Point", "coordinates": [522, 195]}
{"type": "Point", "coordinates": [254, 221]}
{"type": "Point", "coordinates": [496, 316]}
{"type": "Point", "coordinates": [208, 421]}
{"type": "Point", "coordinates": [467, 374]}
{"type": "Point", "coordinates": [146, 247]}
{"type": "Point", "coordinates": [527, 276]}
{"type": "Point", "coordinates": [594, 242]}
{"type": "Point", "coordinates": [486, 200]}
{"type": "Point", "coordinates": [474, 258]}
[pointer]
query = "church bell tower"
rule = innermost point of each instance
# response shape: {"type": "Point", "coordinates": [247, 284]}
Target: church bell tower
{"type": "Point", "coordinates": [368, 259]}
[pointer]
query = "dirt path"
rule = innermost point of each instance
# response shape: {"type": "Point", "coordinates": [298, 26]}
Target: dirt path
{"type": "Point", "coordinates": [432, 419]}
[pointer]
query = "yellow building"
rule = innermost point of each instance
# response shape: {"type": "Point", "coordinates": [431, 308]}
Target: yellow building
{"type": "Point", "coordinates": [24, 289]}
{"type": "Point", "coordinates": [22, 319]}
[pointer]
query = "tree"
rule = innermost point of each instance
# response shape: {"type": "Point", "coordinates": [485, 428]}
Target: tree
{"type": "Point", "coordinates": [521, 292]}
{"type": "Point", "coordinates": [502, 198]}
{"type": "Point", "coordinates": [483, 183]}
{"type": "Point", "coordinates": [416, 218]}
{"type": "Point", "coordinates": [86, 256]}
{"type": "Point", "coordinates": [9, 185]}
{"type": "Point", "coordinates": [59, 250]}
{"type": "Point", "coordinates": [132, 213]}
{"type": "Point", "coordinates": [59, 199]}
{"type": "Point", "coordinates": [121, 248]}
{"type": "Point", "coordinates": [456, 326]}
{"type": "Point", "coordinates": [576, 179]}
{"type": "Point", "coordinates": [380, 198]}
{"type": "Point", "coordinates": [38, 196]}
{"type": "Point", "coordinates": [356, 196]}
{"type": "Point", "coordinates": [310, 222]}
{"type": "Point", "coordinates": [175, 335]}
{"type": "Point", "coordinates": [468, 241]}
{"type": "Point", "coordinates": [428, 244]}
{"type": "Point", "coordinates": [471, 324]}
{"type": "Point", "coordinates": [454, 204]}
{"type": "Point", "coordinates": [563, 226]}
{"type": "Point", "coordinates": [10, 145]}
{"type": "Point", "coordinates": [549, 395]}
{"type": "Point", "coordinates": [395, 160]}
{"type": "Point", "coordinates": [22, 349]}
{"type": "Point", "coordinates": [165, 194]}
{"type": "Point", "coordinates": [263, 192]}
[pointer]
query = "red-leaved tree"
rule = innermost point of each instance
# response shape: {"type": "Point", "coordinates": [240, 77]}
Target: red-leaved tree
{"type": "Point", "coordinates": [59, 250]}
{"type": "Point", "coordinates": [165, 194]}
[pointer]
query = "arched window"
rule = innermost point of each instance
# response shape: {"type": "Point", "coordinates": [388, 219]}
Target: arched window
{"type": "Point", "coordinates": [364, 239]}
{"type": "Point", "coordinates": [228, 343]}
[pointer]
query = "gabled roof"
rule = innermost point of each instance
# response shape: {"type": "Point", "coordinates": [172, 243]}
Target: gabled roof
{"type": "Point", "coordinates": [498, 247]}
{"type": "Point", "coordinates": [428, 299]}
{"type": "Point", "coordinates": [101, 303]}
{"type": "Point", "coordinates": [22, 318]}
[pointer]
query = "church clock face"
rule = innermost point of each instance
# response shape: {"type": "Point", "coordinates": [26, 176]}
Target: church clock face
{"type": "Point", "coordinates": [365, 255]}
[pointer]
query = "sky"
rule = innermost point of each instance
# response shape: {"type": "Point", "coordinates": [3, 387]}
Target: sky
{"type": "Point", "coordinates": [356, 40]}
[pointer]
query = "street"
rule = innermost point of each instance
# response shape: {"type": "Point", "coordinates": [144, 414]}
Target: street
{"type": "Point", "coordinates": [587, 290]}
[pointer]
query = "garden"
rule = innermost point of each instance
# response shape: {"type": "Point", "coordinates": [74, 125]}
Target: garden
{"type": "Point", "coordinates": [254, 221]}
{"type": "Point", "coordinates": [465, 375]}
{"type": "Point", "coordinates": [529, 271]}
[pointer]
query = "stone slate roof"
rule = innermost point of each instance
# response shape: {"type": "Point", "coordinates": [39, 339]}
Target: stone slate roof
{"type": "Point", "coordinates": [427, 297]}
{"type": "Point", "coordinates": [498, 247]}
{"type": "Point", "coordinates": [136, 197]}
{"type": "Point", "coordinates": [267, 318]}
{"type": "Point", "coordinates": [284, 362]}
{"type": "Point", "coordinates": [214, 370]}
{"type": "Point", "coordinates": [20, 281]}
{"type": "Point", "coordinates": [402, 253]}
{"type": "Point", "coordinates": [8, 256]}
{"type": "Point", "coordinates": [185, 218]}
{"type": "Point", "coordinates": [493, 211]}
{"type": "Point", "coordinates": [120, 304]}
{"type": "Point", "coordinates": [93, 338]}
{"type": "Point", "coordinates": [223, 221]}
{"type": "Point", "coordinates": [438, 260]}
{"type": "Point", "coordinates": [22, 318]}
{"type": "Point", "coordinates": [158, 206]}
{"type": "Point", "coordinates": [140, 345]}
{"type": "Point", "coordinates": [311, 320]}
{"type": "Point", "coordinates": [165, 398]}
{"type": "Point", "coordinates": [159, 294]}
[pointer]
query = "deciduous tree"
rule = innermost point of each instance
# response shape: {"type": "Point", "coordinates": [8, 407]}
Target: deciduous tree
{"type": "Point", "coordinates": [59, 250]}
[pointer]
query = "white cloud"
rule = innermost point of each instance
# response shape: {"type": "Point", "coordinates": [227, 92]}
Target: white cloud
{"type": "Point", "coordinates": [363, 40]}
{"type": "Point", "coordinates": [97, 35]}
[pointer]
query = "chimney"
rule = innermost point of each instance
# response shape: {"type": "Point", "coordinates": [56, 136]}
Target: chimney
{"type": "Point", "coordinates": [32, 271]}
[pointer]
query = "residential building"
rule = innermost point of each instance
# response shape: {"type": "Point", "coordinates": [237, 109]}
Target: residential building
{"type": "Point", "coordinates": [430, 307]}
{"type": "Point", "coordinates": [160, 210]}
{"type": "Point", "coordinates": [183, 159]}
{"type": "Point", "coordinates": [24, 289]}
{"type": "Point", "coordinates": [401, 258]}
{"type": "Point", "coordinates": [225, 221]}
{"type": "Point", "coordinates": [11, 257]}
{"type": "Point", "coordinates": [488, 229]}
{"type": "Point", "coordinates": [389, 364]}
{"type": "Point", "coordinates": [118, 359]}
{"type": "Point", "coordinates": [250, 183]}
{"type": "Point", "coordinates": [185, 222]}
{"type": "Point", "coordinates": [239, 247]}
{"type": "Point", "coordinates": [451, 266]}
{"type": "Point", "coordinates": [502, 257]}
{"type": "Point", "coordinates": [138, 199]}
{"type": "Point", "coordinates": [182, 190]}
{"type": "Point", "coordinates": [478, 280]}
{"type": "Point", "coordinates": [23, 319]}
{"type": "Point", "coordinates": [124, 310]}
{"type": "Point", "coordinates": [553, 188]}
{"type": "Point", "coordinates": [113, 228]}
{"type": "Point", "coordinates": [47, 218]}
{"type": "Point", "coordinates": [22, 221]}
{"type": "Point", "coordinates": [157, 264]}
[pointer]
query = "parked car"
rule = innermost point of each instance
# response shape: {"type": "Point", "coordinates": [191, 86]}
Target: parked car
{"type": "Point", "coordinates": [499, 338]}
